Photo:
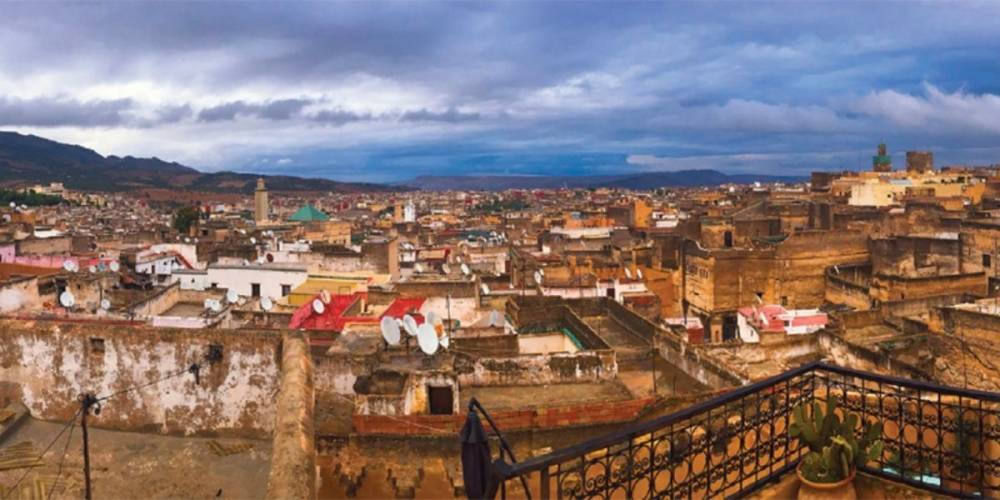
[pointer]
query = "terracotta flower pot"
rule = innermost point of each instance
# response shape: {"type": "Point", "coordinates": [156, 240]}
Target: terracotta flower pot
{"type": "Point", "coordinates": [809, 490]}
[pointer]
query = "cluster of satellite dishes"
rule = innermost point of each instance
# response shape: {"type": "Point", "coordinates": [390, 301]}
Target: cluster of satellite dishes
{"type": "Point", "coordinates": [15, 207]}
{"type": "Point", "coordinates": [73, 266]}
{"type": "Point", "coordinates": [68, 300]}
{"type": "Point", "coordinates": [539, 274]}
{"type": "Point", "coordinates": [430, 335]}
{"type": "Point", "coordinates": [628, 273]}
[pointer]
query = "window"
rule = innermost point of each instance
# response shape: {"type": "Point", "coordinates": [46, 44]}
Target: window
{"type": "Point", "coordinates": [285, 290]}
{"type": "Point", "coordinates": [96, 345]}
{"type": "Point", "coordinates": [441, 400]}
{"type": "Point", "coordinates": [215, 285]}
{"type": "Point", "coordinates": [255, 289]}
{"type": "Point", "coordinates": [987, 260]}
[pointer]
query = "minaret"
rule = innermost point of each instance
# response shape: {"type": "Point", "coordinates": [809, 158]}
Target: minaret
{"type": "Point", "coordinates": [882, 162]}
{"type": "Point", "coordinates": [260, 205]}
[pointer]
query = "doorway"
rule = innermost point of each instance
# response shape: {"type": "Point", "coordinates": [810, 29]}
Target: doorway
{"type": "Point", "coordinates": [441, 399]}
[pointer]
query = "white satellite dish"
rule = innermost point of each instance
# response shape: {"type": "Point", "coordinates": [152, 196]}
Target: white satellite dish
{"type": "Point", "coordinates": [105, 304]}
{"type": "Point", "coordinates": [68, 265]}
{"type": "Point", "coordinates": [266, 304]}
{"type": "Point", "coordinates": [444, 341]}
{"type": "Point", "coordinates": [115, 267]}
{"type": "Point", "coordinates": [92, 269]}
{"type": "Point", "coordinates": [431, 317]}
{"type": "Point", "coordinates": [418, 268]}
{"type": "Point", "coordinates": [67, 299]}
{"type": "Point", "coordinates": [253, 241]}
{"type": "Point", "coordinates": [628, 273]}
{"type": "Point", "coordinates": [216, 305]}
{"type": "Point", "coordinates": [496, 319]}
{"type": "Point", "coordinates": [427, 339]}
{"type": "Point", "coordinates": [410, 325]}
{"type": "Point", "coordinates": [232, 296]}
{"type": "Point", "coordinates": [541, 271]}
{"type": "Point", "coordinates": [485, 288]}
{"type": "Point", "coordinates": [207, 303]}
{"type": "Point", "coordinates": [187, 240]}
{"type": "Point", "coordinates": [390, 330]}
{"type": "Point", "coordinates": [538, 277]}
{"type": "Point", "coordinates": [446, 268]}
{"type": "Point", "coordinates": [318, 306]}
{"type": "Point", "coordinates": [13, 205]}
{"type": "Point", "coordinates": [465, 269]}
{"type": "Point", "coordinates": [324, 295]}
{"type": "Point", "coordinates": [638, 272]}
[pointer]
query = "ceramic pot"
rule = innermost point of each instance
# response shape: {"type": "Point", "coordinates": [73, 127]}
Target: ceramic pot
{"type": "Point", "coordinates": [809, 490]}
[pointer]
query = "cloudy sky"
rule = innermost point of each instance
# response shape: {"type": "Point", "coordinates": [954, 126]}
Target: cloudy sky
{"type": "Point", "coordinates": [387, 91]}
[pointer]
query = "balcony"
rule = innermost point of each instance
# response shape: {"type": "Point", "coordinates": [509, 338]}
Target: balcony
{"type": "Point", "coordinates": [937, 440]}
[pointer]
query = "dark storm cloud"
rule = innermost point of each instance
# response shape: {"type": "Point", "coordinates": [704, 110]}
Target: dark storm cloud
{"type": "Point", "coordinates": [283, 109]}
{"type": "Point", "coordinates": [54, 112]}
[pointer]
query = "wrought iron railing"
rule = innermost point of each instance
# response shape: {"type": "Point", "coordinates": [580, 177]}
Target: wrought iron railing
{"type": "Point", "coordinates": [937, 438]}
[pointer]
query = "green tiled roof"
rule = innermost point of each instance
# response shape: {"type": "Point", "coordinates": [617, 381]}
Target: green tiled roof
{"type": "Point", "coordinates": [309, 213]}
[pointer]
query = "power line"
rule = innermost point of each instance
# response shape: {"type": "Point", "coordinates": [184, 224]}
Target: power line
{"type": "Point", "coordinates": [194, 368]}
{"type": "Point", "coordinates": [62, 460]}
{"type": "Point", "coordinates": [28, 468]}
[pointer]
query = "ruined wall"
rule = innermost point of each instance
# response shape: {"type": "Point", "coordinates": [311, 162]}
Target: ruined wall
{"type": "Point", "coordinates": [293, 453]}
{"type": "Point", "coordinates": [539, 369]}
{"type": "Point", "coordinates": [159, 302]}
{"type": "Point", "coordinates": [47, 365]}
{"type": "Point", "coordinates": [894, 288]}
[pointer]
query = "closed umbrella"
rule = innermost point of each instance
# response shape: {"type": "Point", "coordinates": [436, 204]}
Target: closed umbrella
{"type": "Point", "coordinates": [476, 456]}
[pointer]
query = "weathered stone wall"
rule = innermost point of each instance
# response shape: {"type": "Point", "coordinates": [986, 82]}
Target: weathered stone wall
{"type": "Point", "coordinates": [293, 453]}
{"type": "Point", "coordinates": [540, 369]}
{"type": "Point", "coordinates": [47, 365]}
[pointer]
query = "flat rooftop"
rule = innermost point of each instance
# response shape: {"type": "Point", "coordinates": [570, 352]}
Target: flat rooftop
{"type": "Point", "coordinates": [134, 465]}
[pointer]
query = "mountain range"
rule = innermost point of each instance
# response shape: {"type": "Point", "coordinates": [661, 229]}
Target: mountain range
{"type": "Point", "coordinates": [648, 180]}
{"type": "Point", "coordinates": [29, 159]}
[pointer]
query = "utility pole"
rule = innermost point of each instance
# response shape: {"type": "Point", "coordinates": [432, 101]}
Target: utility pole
{"type": "Point", "coordinates": [87, 401]}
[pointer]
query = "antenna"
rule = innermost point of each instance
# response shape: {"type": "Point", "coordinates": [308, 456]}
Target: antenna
{"type": "Point", "coordinates": [628, 273]}
{"type": "Point", "coordinates": [318, 306]}
{"type": "Point", "coordinates": [446, 268]}
{"type": "Point", "coordinates": [485, 288]}
{"type": "Point", "coordinates": [538, 277]}
{"type": "Point", "coordinates": [390, 330]}
{"type": "Point", "coordinates": [638, 272]}
{"type": "Point", "coordinates": [427, 339]}
{"type": "Point", "coordinates": [115, 266]}
{"type": "Point", "coordinates": [410, 325]}
{"type": "Point", "coordinates": [232, 296]}
{"type": "Point", "coordinates": [67, 299]}
{"type": "Point", "coordinates": [465, 269]}
{"type": "Point", "coordinates": [266, 304]}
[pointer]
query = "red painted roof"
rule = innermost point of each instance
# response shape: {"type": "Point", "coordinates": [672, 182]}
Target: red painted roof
{"type": "Point", "coordinates": [333, 317]}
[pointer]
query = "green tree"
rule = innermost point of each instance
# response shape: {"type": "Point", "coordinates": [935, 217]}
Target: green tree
{"type": "Point", "coordinates": [184, 218]}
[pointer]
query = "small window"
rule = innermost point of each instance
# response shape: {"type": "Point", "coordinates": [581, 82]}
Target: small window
{"type": "Point", "coordinates": [255, 289]}
{"type": "Point", "coordinates": [987, 260]}
{"type": "Point", "coordinates": [760, 296]}
{"type": "Point", "coordinates": [96, 345]}
{"type": "Point", "coordinates": [215, 285]}
{"type": "Point", "coordinates": [286, 290]}
{"type": "Point", "coordinates": [784, 300]}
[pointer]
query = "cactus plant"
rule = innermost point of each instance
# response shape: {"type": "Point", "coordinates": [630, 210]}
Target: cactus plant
{"type": "Point", "coordinates": [835, 450]}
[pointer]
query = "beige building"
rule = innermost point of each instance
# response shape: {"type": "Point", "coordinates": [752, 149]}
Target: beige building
{"type": "Point", "coordinates": [260, 203]}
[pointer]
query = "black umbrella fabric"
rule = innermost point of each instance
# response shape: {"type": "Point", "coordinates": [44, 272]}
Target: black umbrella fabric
{"type": "Point", "coordinates": [476, 456]}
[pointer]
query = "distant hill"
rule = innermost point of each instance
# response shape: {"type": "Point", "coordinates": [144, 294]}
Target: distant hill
{"type": "Point", "coordinates": [28, 159]}
{"type": "Point", "coordinates": [650, 180]}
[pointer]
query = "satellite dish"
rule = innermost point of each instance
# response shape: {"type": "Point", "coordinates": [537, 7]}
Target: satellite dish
{"type": "Point", "coordinates": [541, 271]}
{"type": "Point", "coordinates": [538, 277]}
{"type": "Point", "coordinates": [13, 205]}
{"type": "Point", "coordinates": [427, 339]}
{"type": "Point", "coordinates": [324, 296]}
{"type": "Point", "coordinates": [431, 317]}
{"type": "Point", "coordinates": [216, 306]}
{"type": "Point", "coordinates": [638, 272]}
{"type": "Point", "coordinates": [187, 240]}
{"type": "Point", "coordinates": [446, 268]}
{"type": "Point", "coordinates": [628, 273]}
{"type": "Point", "coordinates": [318, 306]}
{"type": "Point", "coordinates": [418, 268]}
{"type": "Point", "coordinates": [68, 265]}
{"type": "Point", "coordinates": [465, 269]}
{"type": "Point", "coordinates": [390, 330]}
{"type": "Point", "coordinates": [207, 303]}
{"type": "Point", "coordinates": [67, 299]}
{"type": "Point", "coordinates": [232, 296]}
{"type": "Point", "coordinates": [253, 241]}
{"type": "Point", "coordinates": [410, 325]}
{"type": "Point", "coordinates": [266, 304]}
{"type": "Point", "coordinates": [496, 319]}
{"type": "Point", "coordinates": [115, 267]}
{"type": "Point", "coordinates": [105, 304]}
{"type": "Point", "coordinates": [92, 269]}
{"type": "Point", "coordinates": [444, 341]}
{"type": "Point", "coordinates": [485, 288]}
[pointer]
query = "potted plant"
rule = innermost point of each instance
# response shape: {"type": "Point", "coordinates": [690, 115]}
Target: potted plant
{"type": "Point", "coordinates": [835, 452]}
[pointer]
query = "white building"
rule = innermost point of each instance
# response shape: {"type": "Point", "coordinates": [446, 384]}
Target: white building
{"type": "Point", "coordinates": [251, 280]}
